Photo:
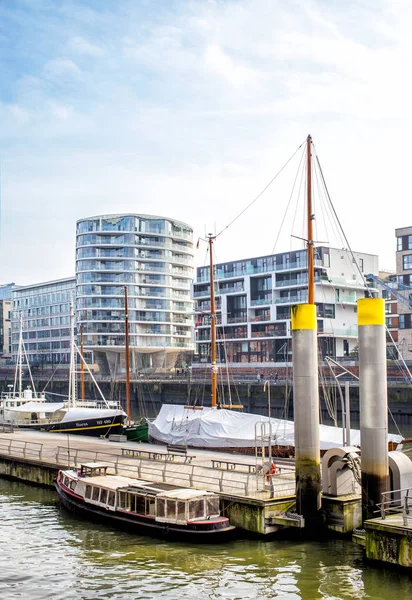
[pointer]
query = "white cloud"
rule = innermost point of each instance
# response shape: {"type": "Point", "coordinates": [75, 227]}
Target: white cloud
{"type": "Point", "coordinates": [83, 46]}
{"type": "Point", "coordinates": [216, 60]}
{"type": "Point", "coordinates": [190, 110]}
{"type": "Point", "coordinates": [60, 111]}
{"type": "Point", "coordinates": [59, 67]}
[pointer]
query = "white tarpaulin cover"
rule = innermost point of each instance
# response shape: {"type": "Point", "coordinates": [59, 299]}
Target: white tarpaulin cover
{"type": "Point", "coordinates": [38, 407]}
{"type": "Point", "coordinates": [221, 428]}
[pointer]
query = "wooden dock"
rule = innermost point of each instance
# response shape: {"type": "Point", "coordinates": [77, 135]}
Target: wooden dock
{"type": "Point", "coordinates": [249, 500]}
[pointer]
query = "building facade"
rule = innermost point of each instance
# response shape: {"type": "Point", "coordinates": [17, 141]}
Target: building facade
{"type": "Point", "coordinates": [254, 297]}
{"type": "Point", "coordinates": [5, 319]}
{"type": "Point", "coordinates": [45, 308]}
{"type": "Point", "coordinates": [153, 258]}
{"type": "Point", "coordinates": [404, 281]}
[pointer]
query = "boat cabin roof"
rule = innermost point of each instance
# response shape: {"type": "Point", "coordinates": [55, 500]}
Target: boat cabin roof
{"type": "Point", "coordinates": [114, 482]}
{"type": "Point", "coordinates": [184, 494]}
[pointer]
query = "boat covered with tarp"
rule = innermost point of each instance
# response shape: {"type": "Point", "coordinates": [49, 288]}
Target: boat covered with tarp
{"type": "Point", "coordinates": [222, 428]}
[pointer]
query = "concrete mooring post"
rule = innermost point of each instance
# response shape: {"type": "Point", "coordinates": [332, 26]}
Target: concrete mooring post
{"type": "Point", "coordinates": [373, 403]}
{"type": "Point", "coordinates": [306, 413]}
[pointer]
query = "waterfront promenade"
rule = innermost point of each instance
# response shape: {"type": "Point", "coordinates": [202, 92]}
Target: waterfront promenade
{"type": "Point", "coordinates": [251, 500]}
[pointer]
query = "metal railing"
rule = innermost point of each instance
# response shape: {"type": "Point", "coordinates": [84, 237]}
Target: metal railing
{"type": "Point", "coordinates": [396, 502]}
{"type": "Point", "coordinates": [233, 482]}
{"type": "Point", "coordinates": [13, 447]}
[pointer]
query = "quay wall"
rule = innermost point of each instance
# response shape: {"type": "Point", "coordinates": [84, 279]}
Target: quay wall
{"type": "Point", "coordinates": [20, 469]}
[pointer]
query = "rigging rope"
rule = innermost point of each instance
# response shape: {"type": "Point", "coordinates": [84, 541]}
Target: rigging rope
{"type": "Point", "coordinates": [262, 192]}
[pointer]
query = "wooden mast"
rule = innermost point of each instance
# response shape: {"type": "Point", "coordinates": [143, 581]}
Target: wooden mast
{"type": "Point", "coordinates": [310, 217]}
{"type": "Point", "coordinates": [213, 324]}
{"type": "Point", "coordinates": [126, 332]}
{"type": "Point", "coordinates": [82, 363]}
{"type": "Point", "coordinates": [213, 332]}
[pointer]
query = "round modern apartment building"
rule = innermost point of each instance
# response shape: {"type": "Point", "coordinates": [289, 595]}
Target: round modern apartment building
{"type": "Point", "coordinates": [153, 258]}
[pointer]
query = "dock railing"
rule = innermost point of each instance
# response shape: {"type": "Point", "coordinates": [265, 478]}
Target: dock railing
{"type": "Point", "coordinates": [17, 448]}
{"type": "Point", "coordinates": [222, 481]}
{"type": "Point", "coordinates": [396, 502]}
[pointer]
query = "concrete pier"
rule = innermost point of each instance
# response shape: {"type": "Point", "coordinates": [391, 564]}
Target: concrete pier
{"type": "Point", "coordinates": [373, 403]}
{"type": "Point", "coordinates": [389, 540]}
{"type": "Point", "coordinates": [246, 496]}
{"type": "Point", "coordinates": [306, 409]}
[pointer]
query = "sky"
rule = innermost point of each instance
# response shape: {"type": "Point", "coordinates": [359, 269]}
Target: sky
{"type": "Point", "coordinates": [187, 109]}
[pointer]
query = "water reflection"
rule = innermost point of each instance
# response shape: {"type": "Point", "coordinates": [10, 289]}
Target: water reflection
{"type": "Point", "coordinates": [46, 552]}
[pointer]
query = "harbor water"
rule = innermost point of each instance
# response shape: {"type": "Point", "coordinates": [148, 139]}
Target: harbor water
{"type": "Point", "coordinates": [47, 553]}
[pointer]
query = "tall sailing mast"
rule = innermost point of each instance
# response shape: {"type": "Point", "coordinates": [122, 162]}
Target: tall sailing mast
{"type": "Point", "coordinates": [306, 385]}
{"type": "Point", "coordinates": [82, 363]}
{"type": "Point", "coordinates": [213, 323]}
{"type": "Point", "coordinates": [310, 219]}
{"type": "Point", "coordinates": [126, 332]}
{"type": "Point", "coordinates": [211, 238]}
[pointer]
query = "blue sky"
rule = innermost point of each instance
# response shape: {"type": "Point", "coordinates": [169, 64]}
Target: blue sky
{"type": "Point", "coordinates": [188, 108]}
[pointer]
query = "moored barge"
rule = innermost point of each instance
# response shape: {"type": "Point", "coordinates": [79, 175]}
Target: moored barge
{"type": "Point", "coordinates": [157, 509]}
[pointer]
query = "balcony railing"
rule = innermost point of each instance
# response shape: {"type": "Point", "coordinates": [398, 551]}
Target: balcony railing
{"type": "Point", "coordinates": [261, 301]}
{"type": "Point", "coordinates": [264, 334]}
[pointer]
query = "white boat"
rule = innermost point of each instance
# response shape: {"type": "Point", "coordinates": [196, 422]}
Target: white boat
{"type": "Point", "coordinates": [141, 506]}
{"type": "Point", "coordinates": [29, 410]}
{"type": "Point", "coordinates": [229, 429]}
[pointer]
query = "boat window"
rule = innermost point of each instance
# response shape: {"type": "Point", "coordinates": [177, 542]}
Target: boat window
{"type": "Point", "coordinates": [150, 507]}
{"type": "Point", "coordinates": [63, 479]}
{"type": "Point", "coordinates": [103, 496]}
{"type": "Point", "coordinates": [171, 509]}
{"type": "Point", "coordinates": [72, 484]}
{"type": "Point", "coordinates": [181, 511]}
{"type": "Point", "coordinates": [160, 507]}
{"type": "Point", "coordinates": [88, 493]}
{"type": "Point", "coordinates": [95, 494]}
{"type": "Point", "coordinates": [196, 509]}
{"type": "Point", "coordinates": [124, 501]}
{"type": "Point", "coordinates": [212, 505]}
{"type": "Point", "coordinates": [111, 499]}
{"type": "Point", "coordinates": [138, 504]}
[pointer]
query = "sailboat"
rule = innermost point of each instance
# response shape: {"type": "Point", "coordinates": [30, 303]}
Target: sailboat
{"type": "Point", "coordinates": [87, 417]}
{"type": "Point", "coordinates": [17, 397]}
{"type": "Point", "coordinates": [221, 427]}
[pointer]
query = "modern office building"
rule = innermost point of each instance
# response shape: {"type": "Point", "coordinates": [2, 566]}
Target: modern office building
{"type": "Point", "coordinates": [5, 319]}
{"type": "Point", "coordinates": [151, 256]}
{"type": "Point", "coordinates": [254, 297]}
{"type": "Point", "coordinates": [45, 308]}
{"type": "Point", "coordinates": [404, 277]}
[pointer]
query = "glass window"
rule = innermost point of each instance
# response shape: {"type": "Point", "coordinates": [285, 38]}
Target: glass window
{"type": "Point", "coordinates": [212, 505]}
{"type": "Point", "coordinates": [196, 509]}
{"type": "Point", "coordinates": [407, 261]}
{"type": "Point", "coordinates": [171, 509]}
{"type": "Point", "coordinates": [150, 506]}
{"type": "Point", "coordinates": [409, 242]}
{"type": "Point", "coordinates": [160, 504]}
{"type": "Point", "coordinates": [111, 499]}
{"type": "Point", "coordinates": [399, 244]}
{"type": "Point", "coordinates": [95, 494]}
{"type": "Point", "coordinates": [181, 511]}
{"type": "Point", "coordinates": [103, 496]}
{"type": "Point", "coordinates": [401, 321]}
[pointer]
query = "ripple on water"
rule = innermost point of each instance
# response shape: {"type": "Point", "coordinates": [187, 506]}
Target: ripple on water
{"type": "Point", "coordinates": [47, 553]}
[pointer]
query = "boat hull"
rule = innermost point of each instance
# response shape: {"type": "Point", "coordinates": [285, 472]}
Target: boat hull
{"type": "Point", "coordinates": [137, 433]}
{"type": "Point", "coordinates": [213, 532]}
{"type": "Point", "coordinates": [96, 426]}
